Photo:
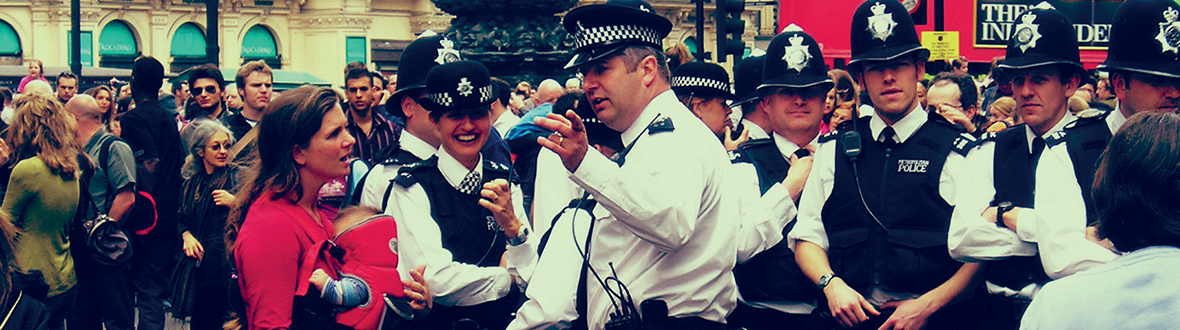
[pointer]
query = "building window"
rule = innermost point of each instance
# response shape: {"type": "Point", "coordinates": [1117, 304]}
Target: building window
{"type": "Point", "coordinates": [259, 44]}
{"type": "Point", "coordinates": [117, 47]}
{"type": "Point", "coordinates": [188, 47]}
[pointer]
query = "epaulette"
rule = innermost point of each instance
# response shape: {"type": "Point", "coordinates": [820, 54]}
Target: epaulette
{"type": "Point", "coordinates": [1054, 139]}
{"type": "Point", "coordinates": [660, 125]}
{"type": "Point", "coordinates": [737, 156]}
{"type": "Point", "coordinates": [405, 175]}
{"type": "Point", "coordinates": [964, 143]}
{"type": "Point", "coordinates": [987, 137]}
{"type": "Point", "coordinates": [1088, 116]}
{"type": "Point", "coordinates": [494, 166]}
{"type": "Point", "coordinates": [830, 136]}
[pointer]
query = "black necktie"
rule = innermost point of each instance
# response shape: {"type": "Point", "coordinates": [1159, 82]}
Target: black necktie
{"type": "Point", "coordinates": [887, 137]}
{"type": "Point", "coordinates": [1038, 147]}
{"type": "Point", "coordinates": [800, 153]}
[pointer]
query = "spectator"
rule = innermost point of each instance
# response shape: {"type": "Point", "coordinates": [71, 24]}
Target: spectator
{"type": "Point", "coordinates": [844, 112]}
{"type": "Point", "coordinates": [151, 133]}
{"type": "Point", "coordinates": [380, 95]}
{"type": "Point", "coordinates": [233, 101]}
{"type": "Point", "coordinates": [842, 92]}
{"type": "Point", "coordinates": [502, 118]}
{"type": "Point", "coordinates": [1104, 93]}
{"type": "Point", "coordinates": [1003, 115]}
{"type": "Point", "coordinates": [953, 95]}
{"type": "Point", "coordinates": [105, 97]}
{"type": "Point", "coordinates": [36, 72]}
{"type": "Point", "coordinates": [181, 94]}
{"type": "Point", "coordinates": [1085, 92]}
{"type": "Point", "coordinates": [42, 197]}
{"type": "Point", "coordinates": [201, 280]}
{"type": "Point", "coordinates": [104, 293]}
{"type": "Point", "coordinates": [922, 93]}
{"type": "Point", "coordinates": [67, 86]}
{"type": "Point", "coordinates": [1135, 190]}
{"type": "Point", "coordinates": [277, 217]}
{"type": "Point", "coordinates": [207, 87]}
{"type": "Point", "coordinates": [573, 84]}
{"type": "Point", "coordinates": [678, 55]}
{"type": "Point", "coordinates": [372, 131]}
{"type": "Point", "coordinates": [17, 289]}
{"type": "Point", "coordinates": [6, 101]}
{"type": "Point", "coordinates": [255, 83]}
{"type": "Point", "coordinates": [1077, 104]}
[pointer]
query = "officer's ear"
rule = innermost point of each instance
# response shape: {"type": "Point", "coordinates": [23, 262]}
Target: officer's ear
{"type": "Point", "coordinates": [1072, 86]}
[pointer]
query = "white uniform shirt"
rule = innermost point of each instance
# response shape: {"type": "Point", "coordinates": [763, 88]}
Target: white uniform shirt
{"type": "Point", "coordinates": [1060, 225]}
{"type": "Point", "coordinates": [810, 225]}
{"type": "Point", "coordinates": [1115, 119]}
{"type": "Point", "coordinates": [973, 238]}
{"type": "Point", "coordinates": [374, 190]}
{"type": "Point", "coordinates": [505, 122]}
{"type": "Point", "coordinates": [553, 287]}
{"type": "Point", "coordinates": [665, 237]}
{"type": "Point", "coordinates": [763, 218]}
{"type": "Point", "coordinates": [420, 243]}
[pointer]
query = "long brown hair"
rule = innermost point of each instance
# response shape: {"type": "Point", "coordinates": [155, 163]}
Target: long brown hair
{"type": "Point", "coordinates": [41, 128]}
{"type": "Point", "coordinates": [110, 110]}
{"type": "Point", "coordinates": [288, 122]}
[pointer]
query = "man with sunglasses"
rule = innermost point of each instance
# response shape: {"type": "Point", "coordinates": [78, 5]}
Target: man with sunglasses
{"type": "Point", "coordinates": [874, 214]}
{"type": "Point", "coordinates": [207, 87]}
{"type": "Point", "coordinates": [953, 96]}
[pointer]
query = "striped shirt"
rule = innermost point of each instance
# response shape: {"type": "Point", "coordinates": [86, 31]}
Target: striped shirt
{"type": "Point", "coordinates": [381, 135]}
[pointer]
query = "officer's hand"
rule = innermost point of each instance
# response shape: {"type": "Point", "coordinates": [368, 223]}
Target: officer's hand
{"type": "Point", "coordinates": [731, 144]}
{"type": "Point", "coordinates": [418, 291]}
{"type": "Point", "coordinates": [223, 198]}
{"type": "Point", "coordinates": [192, 247]}
{"type": "Point", "coordinates": [497, 197]}
{"type": "Point", "coordinates": [568, 139]}
{"type": "Point", "coordinates": [797, 175]}
{"type": "Point", "coordinates": [910, 314]}
{"type": "Point", "coordinates": [848, 307]}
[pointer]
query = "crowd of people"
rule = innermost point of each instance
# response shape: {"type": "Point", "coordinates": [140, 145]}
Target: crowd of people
{"type": "Point", "coordinates": [649, 191]}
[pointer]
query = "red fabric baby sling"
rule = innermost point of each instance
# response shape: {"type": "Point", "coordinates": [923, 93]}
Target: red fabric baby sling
{"type": "Point", "coordinates": [367, 251]}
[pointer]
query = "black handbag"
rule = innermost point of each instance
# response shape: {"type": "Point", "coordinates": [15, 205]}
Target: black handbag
{"type": "Point", "coordinates": [105, 241]}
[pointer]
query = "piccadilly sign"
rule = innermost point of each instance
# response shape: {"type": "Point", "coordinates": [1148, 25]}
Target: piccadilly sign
{"type": "Point", "coordinates": [995, 20]}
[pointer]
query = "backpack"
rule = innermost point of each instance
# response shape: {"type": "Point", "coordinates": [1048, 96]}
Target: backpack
{"type": "Point", "coordinates": [142, 217]}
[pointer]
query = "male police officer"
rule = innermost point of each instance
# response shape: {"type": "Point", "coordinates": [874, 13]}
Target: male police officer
{"type": "Point", "coordinates": [995, 219]}
{"type": "Point", "coordinates": [882, 192]}
{"type": "Point", "coordinates": [775, 294]}
{"type": "Point", "coordinates": [444, 223]}
{"type": "Point", "coordinates": [747, 76]}
{"type": "Point", "coordinates": [1143, 60]}
{"type": "Point", "coordinates": [664, 239]}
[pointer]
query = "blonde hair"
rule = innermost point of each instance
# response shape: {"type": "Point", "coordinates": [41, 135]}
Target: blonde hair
{"type": "Point", "coordinates": [41, 128]}
{"type": "Point", "coordinates": [1004, 105]}
{"type": "Point", "coordinates": [352, 215]}
{"type": "Point", "coordinates": [1077, 104]}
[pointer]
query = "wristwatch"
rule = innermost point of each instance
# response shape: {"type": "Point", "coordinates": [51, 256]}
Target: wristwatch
{"type": "Point", "coordinates": [824, 280]}
{"type": "Point", "coordinates": [1000, 209]}
{"type": "Point", "coordinates": [522, 235]}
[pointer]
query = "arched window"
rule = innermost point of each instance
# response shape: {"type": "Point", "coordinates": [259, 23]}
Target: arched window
{"type": "Point", "coordinates": [10, 50]}
{"type": "Point", "coordinates": [188, 47]}
{"type": "Point", "coordinates": [259, 44]}
{"type": "Point", "coordinates": [117, 47]}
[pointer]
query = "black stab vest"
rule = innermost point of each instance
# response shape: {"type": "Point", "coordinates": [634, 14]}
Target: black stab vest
{"type": "Point", "coordinates": [1085, 139]}
{"type": "Point", "coordinates": [771, 275]}
{"type": "Point", "coordinates": [466, 233]}
{"type": "Point", "coordinates": [1014, 182]}
{"type": "Point", "coordinates": [901, 186]}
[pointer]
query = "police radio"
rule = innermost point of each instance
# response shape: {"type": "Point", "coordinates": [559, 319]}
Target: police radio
{"type": "Point", "coordinates": [851, 141]}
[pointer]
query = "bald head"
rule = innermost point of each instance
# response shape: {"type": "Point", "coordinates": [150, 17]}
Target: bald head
{"type": "Point", "coordinates": [38, 86]}
{"type": "Point", "coordinates": [548, 91]}
{"type": "Point", "coordinates": [84, 108]}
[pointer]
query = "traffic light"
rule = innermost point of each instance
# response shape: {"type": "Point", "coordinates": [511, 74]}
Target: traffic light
{"type": "Point", "coordinates": [729, 28]}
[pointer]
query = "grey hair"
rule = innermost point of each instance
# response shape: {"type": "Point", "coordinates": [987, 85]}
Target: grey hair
{"type": "Point", "coordinates": [194, 136]}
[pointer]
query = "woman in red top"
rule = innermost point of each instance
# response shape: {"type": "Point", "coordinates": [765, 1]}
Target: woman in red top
{"type": "Point", "coordinates": [302, 143]}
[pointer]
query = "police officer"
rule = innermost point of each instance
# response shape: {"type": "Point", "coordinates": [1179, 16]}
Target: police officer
{"type": "Point", "coordinates": [875, 212]}
{"type": "Point", "coordinates": [747, 76]}
{"type": "Point", "coordinates": [457, 213]}
{"type": "Point", "coordinates": [664, 240]}
{"type": "Point", "coordinates": [1143, 59]}
{"type": "Point", "coordinates": [775, 294]}
{"type": "Point", "coordinates": [993, 220]}
{"type": "Point", "coordinates": [704, 89]}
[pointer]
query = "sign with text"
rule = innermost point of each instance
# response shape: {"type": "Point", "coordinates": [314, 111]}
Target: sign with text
{"type": "Point", "coordinates": [995, 19]}
{"type": "Point", "coordinates": [943, 45]}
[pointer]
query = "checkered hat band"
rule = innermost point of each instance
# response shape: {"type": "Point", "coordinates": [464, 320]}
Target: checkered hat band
{"type": "Point", "coordinates": [609, 33]}
{"type": "Point", "coordinates": [445, 99]}
{"type": "Point", "coordinates": [685, 81]}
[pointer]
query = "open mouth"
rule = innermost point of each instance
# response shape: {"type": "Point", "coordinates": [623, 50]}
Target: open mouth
{"type": "Point", "coordinates": [466, 137]}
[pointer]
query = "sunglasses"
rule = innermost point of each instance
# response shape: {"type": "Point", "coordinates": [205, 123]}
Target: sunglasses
{"type": "Point", "coordinates": [211, 89]}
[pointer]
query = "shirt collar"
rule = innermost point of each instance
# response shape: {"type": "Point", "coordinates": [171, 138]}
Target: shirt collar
{"type": "Point", "coordinates": [378, 121]}
{"type": "Point", "coordinates": [756, 132]}
{"type": "Point", "coordinates": [416, 146]}
{"type": "Point", "coordinates": [1060, 126]}
{"type": "Point", "coordinates": [648, 115]}
{"type": "Point", "coordinates": [788, 148]}
{"type": "Point", "coordinates": [453, 171]}
{"type": "Point", "coordinates": [903, 128]}
{"type": "Point", "coordinates": [1115, 119]}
